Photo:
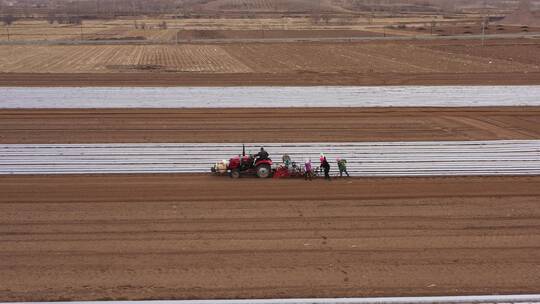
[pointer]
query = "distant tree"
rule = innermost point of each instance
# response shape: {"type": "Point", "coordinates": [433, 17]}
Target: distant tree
{"type": "Point", "coordinates": [315, 18]}
{"type": "Point", "coordinates": [8, 19]}
{"type": "Point", "coordinates": [62, 19]}
{"type": "Point", "coordinates": [433, 24]}
{"type": "Point", "coordinates": [51, 17]}
{"type": "Point", "coordinates": [75, 20]}
{"type": "Point", "coordinates": [326, 18]}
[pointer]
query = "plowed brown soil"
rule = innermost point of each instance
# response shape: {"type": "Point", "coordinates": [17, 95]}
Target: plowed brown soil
{"type": "Point", "coordinates": [273, 34]}
{"type": "Point", "coordinates": [270, 125]}
{"type": "Point", "coordinates": [503, 62]}
{"type": "Point", "coordinates": [185, 236]}
{"type": "Point", "coordinates": [264, 79]}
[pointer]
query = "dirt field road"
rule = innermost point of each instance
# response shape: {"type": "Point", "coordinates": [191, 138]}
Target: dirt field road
{"type": "Point", "coordinates": [182, 236]}
{"type": "Point", "coordinates": [269, 125]}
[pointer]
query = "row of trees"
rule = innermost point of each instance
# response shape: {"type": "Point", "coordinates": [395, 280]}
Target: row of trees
{"type": "Point", "coordinates": [9, 19]}
{"type": "Point", "coordinates": [64, 19]}
{"type": "Point", "coordinates": [162, 25]}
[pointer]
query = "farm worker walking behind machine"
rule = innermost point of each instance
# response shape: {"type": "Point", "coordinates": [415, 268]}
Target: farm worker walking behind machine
{"type": "Point", "coordinates": [325, 165]}
{"type": "Point", "coordinates": [342, 165]}
{"type": "Point", "coordinates": [286, 160]}
{"type": "Point", "coordinates": [308, 169]}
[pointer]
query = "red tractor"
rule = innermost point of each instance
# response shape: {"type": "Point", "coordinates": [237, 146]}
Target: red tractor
{"type": "Point", "coordinates": [245, 165]}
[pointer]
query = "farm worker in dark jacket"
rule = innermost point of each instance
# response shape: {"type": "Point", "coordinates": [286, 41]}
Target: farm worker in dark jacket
{"type": "Point", "coordinates": [342, 165]}
{"type": "Point", "coordinates": [326, 167]}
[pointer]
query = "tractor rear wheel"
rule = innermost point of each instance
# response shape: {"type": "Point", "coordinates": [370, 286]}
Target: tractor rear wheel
{"type": "Point", "coordinates": [263, 171]}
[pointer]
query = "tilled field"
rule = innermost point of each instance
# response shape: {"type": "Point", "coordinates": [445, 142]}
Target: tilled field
{"type": "Point", "coordinates": [106, 58]}
{"type": "Point", "coordinates": [273, 34]}
{"type": "Point", "coordinates": [268, 125]}
{"type": "Point", "coordinates": [469, 29]}
{"type": "Point", "coordinates": [264, 79]}
{"type": "Point", "coordinates": [374, 57]}
{"type": "Point", "coordinates": [386, 60]}
{"type": "Point", "coordinates": [189, 236]}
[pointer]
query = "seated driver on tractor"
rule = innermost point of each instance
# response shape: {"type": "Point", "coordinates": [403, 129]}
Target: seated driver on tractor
{"type": "Point", "coordinates": [261, 155]}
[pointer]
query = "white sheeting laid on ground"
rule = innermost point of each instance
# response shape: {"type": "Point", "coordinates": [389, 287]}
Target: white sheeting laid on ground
{"type": "Point", "coordinates": [239, 97]}
{"type": "Point", "coordinates": [435, 158]}
{"type": "Point", "coordinates": [507, 299]}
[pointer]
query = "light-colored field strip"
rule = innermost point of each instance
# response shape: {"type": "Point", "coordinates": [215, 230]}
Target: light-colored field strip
{"type": "Point", "coordinates": [507, 299]}
{"type": "Point", "coordinates": [235, 97]}
{"type": "Point", "coordinates": [110, 58]}
{"type": "Point", "coordinates": [167, 38]}
{"type": "Point", "coordinates": [505, 157]}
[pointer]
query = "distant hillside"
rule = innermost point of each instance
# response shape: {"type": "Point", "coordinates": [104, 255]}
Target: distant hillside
{"type": "Point", "coordinates": [524, 15]}
{"type": "Point", "coordinates": [112, 8]}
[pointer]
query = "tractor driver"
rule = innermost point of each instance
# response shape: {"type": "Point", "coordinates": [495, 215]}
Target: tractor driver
{"type": "Point", "coordinates": [261, 155]}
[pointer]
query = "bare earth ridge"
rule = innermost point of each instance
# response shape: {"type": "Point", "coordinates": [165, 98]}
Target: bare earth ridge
{"type": "Point", "coordinates": [264, 79]}
{"type": "Point", "coordinates": [268, 125]}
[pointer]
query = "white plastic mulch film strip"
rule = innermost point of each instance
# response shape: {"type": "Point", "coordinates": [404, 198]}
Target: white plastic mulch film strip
{"type": "Point", "coordinates": [447, 158]}
{"type": "Point", "coordinates": [266, 97]}
{"type": "Point", "coordinates": [499, 299]}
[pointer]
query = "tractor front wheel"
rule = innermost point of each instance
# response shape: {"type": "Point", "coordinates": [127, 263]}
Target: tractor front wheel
{"type": "Point", "coordinates": [235, 173]}
{"type": "Point", "coordinates": [263, 171]}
